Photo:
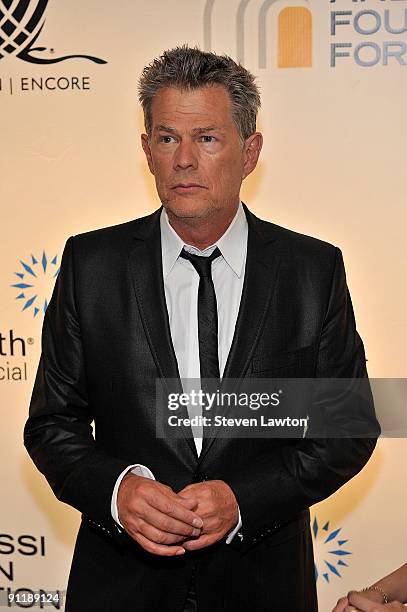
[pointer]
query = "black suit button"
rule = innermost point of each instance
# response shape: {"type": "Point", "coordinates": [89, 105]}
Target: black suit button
{"type": "Point", "coordinates": [200, 477]}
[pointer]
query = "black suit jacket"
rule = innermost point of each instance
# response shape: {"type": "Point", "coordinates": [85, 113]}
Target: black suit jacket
{"type": "Point", "coordinates": [106, 339]}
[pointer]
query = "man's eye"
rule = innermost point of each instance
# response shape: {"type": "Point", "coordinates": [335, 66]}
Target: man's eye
{"type": "Point", "coordinates": [166, 139]}
{"type": "Point", "coordinates": [206, 138]}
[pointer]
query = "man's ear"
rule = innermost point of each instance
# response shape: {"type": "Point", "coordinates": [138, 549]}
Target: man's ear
{"type": "Point", "coordinates": [252, 148]}
{"type": "Point", "coordinates": [146, 148]}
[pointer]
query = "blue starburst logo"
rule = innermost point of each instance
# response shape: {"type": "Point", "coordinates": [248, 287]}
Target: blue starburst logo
{"type": "Point", "coordinates": [36, 279]}
{"type": "Point", "coordinates": [330, 551]}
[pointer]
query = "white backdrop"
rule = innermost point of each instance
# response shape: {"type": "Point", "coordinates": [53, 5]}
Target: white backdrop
{"type": "Point", "coordinates": [332, 166]}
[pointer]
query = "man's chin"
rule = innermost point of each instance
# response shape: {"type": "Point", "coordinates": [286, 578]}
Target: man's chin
{"type": "Point", "coordinates": [188, 209]}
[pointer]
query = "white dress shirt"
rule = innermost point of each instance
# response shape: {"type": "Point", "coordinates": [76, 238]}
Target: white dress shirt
{"type": "Point", "coordinates": [181, 282]}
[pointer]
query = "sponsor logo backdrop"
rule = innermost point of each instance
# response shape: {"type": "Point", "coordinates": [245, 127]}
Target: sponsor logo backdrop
{"type": "Point", "coordinates": [332, 75]}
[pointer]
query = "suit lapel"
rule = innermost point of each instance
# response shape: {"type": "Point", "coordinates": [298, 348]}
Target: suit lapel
{"type": "Point", "coordinates": [261, 270]}
{"type": "Point", "coordinates": [262, 265]}
{"type": "Point", "coordinates": [145, 263]}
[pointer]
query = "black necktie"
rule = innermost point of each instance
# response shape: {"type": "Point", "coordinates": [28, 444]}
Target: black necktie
{"type": "Point", "coordinates": [207, 315]}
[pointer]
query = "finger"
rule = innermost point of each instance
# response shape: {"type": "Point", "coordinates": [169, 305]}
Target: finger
{"type": "Point", "coordinates": [341, 605]}
{"type": "Point", "coordinates": [158, 549]}
{"type": "Point", "coordinates": [165, 524]}
{"type": "Point", "coordinates": [172, 507]}
{"type": "Point", "coordinates": [191, 490]}
{"type": "Point", "coordinates": [202, 542]}
{"type": "Point", "coordinates": [139, 527]}
{"type": "Point", "coordinates": [162, 537]}
{"type": "Point", "coordinates": [188, 488]}
{"type": "Point", "coordinates": [141, 510]}
{"type": "Point", "coordinates": [360, 602]}
{"type": "Point", "coordinates": [188, 502]}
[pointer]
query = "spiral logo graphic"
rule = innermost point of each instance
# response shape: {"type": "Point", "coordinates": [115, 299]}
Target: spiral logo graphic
{"type": "Point", "coordinates": [330, 551]}
{"type": "Point", "coordinates": [21, 23]}
{"type": "Point", "coordinates": [35, 282]}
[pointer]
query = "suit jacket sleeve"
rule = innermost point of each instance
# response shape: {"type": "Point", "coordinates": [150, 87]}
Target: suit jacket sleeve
{"type": "Point", "coordinates": [289, 479]}
{"type": "Point", "coordinates": [58, 434]}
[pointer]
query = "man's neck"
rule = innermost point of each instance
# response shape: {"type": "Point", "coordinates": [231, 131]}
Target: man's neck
{"type": "Point", "coordinates": [201, 233]}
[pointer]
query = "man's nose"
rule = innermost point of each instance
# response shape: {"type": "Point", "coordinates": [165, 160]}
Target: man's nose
{"type": "Point", "coordinates": [185, 156]}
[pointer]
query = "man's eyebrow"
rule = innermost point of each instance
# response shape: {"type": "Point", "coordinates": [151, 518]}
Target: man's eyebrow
{"type": "Point", "coordinates": [198, 130]}
{"type": "Point", "coordinates": [202, 130]}
{"type": "Point", "coordinates": [165, 128]}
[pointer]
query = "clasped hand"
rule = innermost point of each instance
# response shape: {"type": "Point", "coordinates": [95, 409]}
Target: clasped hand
{"type": "Point", "coordinates": [368, 601]}
{"type": "Point", "coordinates": [167, 523]}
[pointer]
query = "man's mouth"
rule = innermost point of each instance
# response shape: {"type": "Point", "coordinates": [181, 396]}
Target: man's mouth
{"type": "Point", "coordinates": [187, 187]}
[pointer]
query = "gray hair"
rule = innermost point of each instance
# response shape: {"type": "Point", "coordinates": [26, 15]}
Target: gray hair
{"type": "Point", "coordinates": [190, 68]}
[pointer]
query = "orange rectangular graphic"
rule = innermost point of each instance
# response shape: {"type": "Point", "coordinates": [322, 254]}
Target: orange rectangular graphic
{"type": "Point", "coordinates": [295, 38]}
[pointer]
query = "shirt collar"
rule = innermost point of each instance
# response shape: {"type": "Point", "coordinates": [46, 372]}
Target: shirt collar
{"type": "Point", "coordinates": [232, 244]}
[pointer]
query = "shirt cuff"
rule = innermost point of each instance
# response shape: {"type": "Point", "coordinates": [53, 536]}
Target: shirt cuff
{"type": "Point", "coordinates": [138, 470]}
{"type": "Point", "coordinates": [236, 530]}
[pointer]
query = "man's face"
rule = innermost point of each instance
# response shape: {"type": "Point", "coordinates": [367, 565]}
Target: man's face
{"type": "Point", "coordinates": [195, 153]}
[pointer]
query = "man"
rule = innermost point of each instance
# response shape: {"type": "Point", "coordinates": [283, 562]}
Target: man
{"type": "Point", "coordinates": [180, 523]}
